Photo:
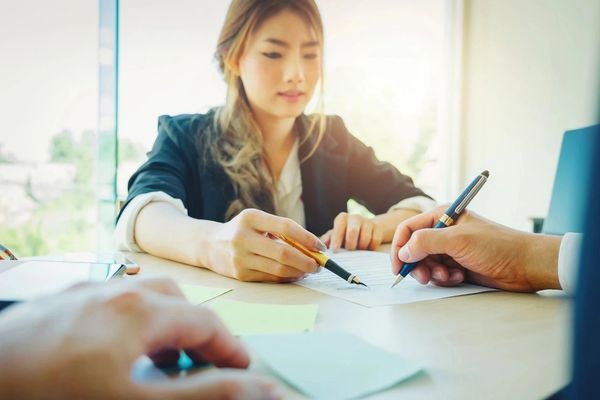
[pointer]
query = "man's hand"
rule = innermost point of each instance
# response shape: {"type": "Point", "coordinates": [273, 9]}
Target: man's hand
{"type": "Point", "coordinates": [81, 344]}
{"type": "Point", "coordinates": [476, 250]}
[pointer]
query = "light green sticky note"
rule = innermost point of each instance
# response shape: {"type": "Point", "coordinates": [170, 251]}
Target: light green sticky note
{"type": "Point", "coordinates": [251, 318]}
{"type": "Point", "coordinates": [197, 294]}
{"type": "Point", "coordinates": [328, 365]}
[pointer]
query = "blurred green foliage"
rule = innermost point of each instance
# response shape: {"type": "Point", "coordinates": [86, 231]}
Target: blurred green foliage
{"type": "Point", "coordinates": [65, 217]}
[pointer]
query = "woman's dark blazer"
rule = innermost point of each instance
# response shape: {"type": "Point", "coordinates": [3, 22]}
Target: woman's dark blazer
{"type": "Point", "coordinates": [341, 168]}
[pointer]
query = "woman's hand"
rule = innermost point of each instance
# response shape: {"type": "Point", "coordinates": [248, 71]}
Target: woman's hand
{"type": "Point", "coordinates": [82, 344]}
{"type": "Point", "coordinates": [353, 232]}
{"type": "Point", "coordinates": [242, 249]}
{"type": "Point", "coordinates": [475, 250]}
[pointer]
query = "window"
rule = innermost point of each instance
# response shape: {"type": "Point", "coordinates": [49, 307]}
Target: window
{"type": "Point", "coordinates": [384, 70]}
{"type": "Point", "coordinates": [48, 140]}
{"type": "Point", "coordinates": [384, 73]}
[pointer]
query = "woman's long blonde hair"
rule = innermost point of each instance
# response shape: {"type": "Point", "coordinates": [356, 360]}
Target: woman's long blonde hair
{"type": "Point", "coordinates": [234, 141]}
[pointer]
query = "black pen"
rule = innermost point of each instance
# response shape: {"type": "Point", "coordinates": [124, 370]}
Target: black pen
{"type": "Point", "coordinates": [451, 215]}
{"type": "Point", "coordinates": [323, 261]}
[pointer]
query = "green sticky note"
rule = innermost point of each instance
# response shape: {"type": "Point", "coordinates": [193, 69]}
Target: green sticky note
{"type": "Point", "coordinates": [251, 318]}
{"type": "Point", "coordinates": [197, 294]}
{"type": "Point", "coordinates": [329, 365]}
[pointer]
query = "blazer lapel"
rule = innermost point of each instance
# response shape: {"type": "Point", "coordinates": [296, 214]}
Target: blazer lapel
{"type": "Point", "coordinates": [321, 180]}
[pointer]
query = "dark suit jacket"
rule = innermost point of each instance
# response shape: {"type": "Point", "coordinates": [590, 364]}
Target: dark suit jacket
{"type": "Point", "coordinates": [341, 168]}
{"type": "Point", "coordinates": [586, 360]}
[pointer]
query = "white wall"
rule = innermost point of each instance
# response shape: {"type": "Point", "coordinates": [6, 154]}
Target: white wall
{"type": "Point", "coordinates": [531, 71]}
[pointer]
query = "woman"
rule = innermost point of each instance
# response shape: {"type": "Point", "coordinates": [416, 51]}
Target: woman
{"type": "Point", "coordinates": [216, 185]}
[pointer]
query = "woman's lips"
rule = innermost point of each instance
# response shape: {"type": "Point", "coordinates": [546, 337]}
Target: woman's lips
{"type": "Point", "coordinates": [291, 95]}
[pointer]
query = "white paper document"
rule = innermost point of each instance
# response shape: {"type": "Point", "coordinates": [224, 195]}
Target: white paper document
{"type": "Point", "coordinates": [374, 269]}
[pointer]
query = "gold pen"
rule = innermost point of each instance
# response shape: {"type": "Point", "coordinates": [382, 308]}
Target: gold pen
{"type": "Point", "coordinates": [323, 261]}
{"type": "Point", "coordinates": [6, 254]}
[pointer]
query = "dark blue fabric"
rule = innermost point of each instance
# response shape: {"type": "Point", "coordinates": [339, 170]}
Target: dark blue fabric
{"type": "Point", "coordinates": [586, 359]}
{"type": "Point", "coordinates": [341, 168]}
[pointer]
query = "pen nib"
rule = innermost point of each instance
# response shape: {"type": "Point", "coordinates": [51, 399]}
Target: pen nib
{"type": "Point", "coordinates": [397, 281]}
{"type": "Point", "coordinates": [357, 281]}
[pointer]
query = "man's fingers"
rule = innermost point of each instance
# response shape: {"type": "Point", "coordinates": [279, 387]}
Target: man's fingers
{"type": "Point", "coordinates": [419, 221]}
{"type": "Point", "coordinates": [439, 272]}
{"type": "Point", "coordinates": [165, 357]}
{"type": "Point", "coordinates": [159, 285]}
{"type": "Point", "coordinates": [216, 384]}
{"type": "Point", "coordinates": [405, 230]}
{"type": "Point", "coordinates": [425, 242]}
{"type": "Point", "coordinates": [421, 274]}
{"type": "Point", "coordinates": [176, 324]}
{"type": "Point", "coordinates": [456, 276]}
{"type": "Point", "coordinates": [431, 270]}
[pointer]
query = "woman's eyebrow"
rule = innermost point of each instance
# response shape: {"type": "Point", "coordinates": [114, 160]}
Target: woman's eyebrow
{"type": "Point", "coordinates": [285, 44]}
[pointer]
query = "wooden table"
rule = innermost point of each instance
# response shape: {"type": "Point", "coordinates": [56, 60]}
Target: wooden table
{"type": "Point", "coordinates": [494, 345]}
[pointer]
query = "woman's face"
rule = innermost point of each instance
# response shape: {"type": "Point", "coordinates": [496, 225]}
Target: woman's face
{"type": "Point", "coordinates": [281, 66]}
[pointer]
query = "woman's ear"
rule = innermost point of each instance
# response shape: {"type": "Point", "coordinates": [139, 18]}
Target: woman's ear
{"type": "Point", "coordinates": [232, 65]}
{"type": "Point", "coordinates": [235, 69]}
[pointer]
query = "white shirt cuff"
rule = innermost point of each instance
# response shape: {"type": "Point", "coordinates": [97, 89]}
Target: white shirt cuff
{"type": "Point", "coordinates": [418, 203]}
{"type": "Point", "coordinates": [568, 261]}
{"type": "Point", "coordinates": [124, 231]}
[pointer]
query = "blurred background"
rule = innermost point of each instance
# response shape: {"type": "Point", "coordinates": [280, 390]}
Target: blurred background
{"type": "Point", "coordinates": [443, 89]}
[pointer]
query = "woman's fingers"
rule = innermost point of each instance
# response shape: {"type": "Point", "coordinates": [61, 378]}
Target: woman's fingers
{"type": "Point", "coordinates": [376, 238]}
{"type": "Point", "coordinates": [339, 231]}
{"type": "Point", "coordinates": [326, 238]}
{"type": "Point", "coordinates": [353, 230]}
{"type": "Point", "coordinates": [280, 252]}
{"type": "Point", "coordinates": [366, 235]}
{"type": "Point", "coordinates": [132, 269]}
{"type": "Point", "coordinates": [254, 255]}
{"type": "Point", "coordinates": [251, 275]}
{"type": "Point", "coordinates": [269, 266]}
{"type": "Point", "coordinates": [265, 222]}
